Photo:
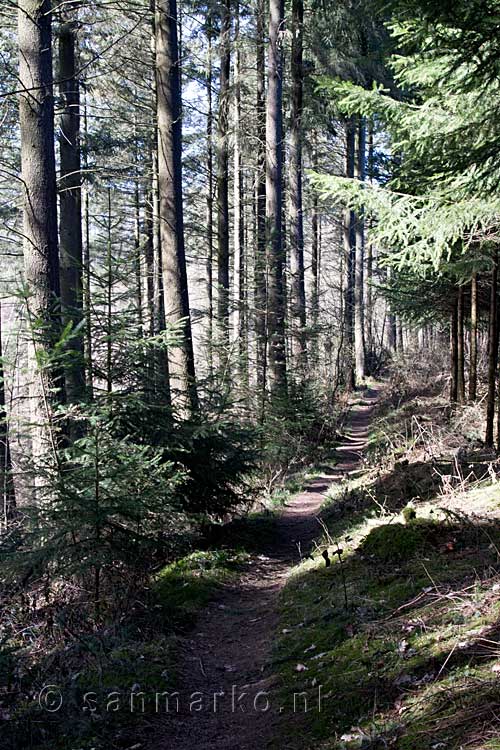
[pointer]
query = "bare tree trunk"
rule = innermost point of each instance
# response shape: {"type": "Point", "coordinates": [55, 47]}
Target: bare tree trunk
{"type": "Point", "coordinates": [274, 202]}
{"type": "Point", "coordinates": [492, 353]}
{"type": "Point", "coordinates": [175, 284]}
{"type": "Point", "coordinates": [369, 257]}
{"type": "Point", "coordinates": [210, 199]}
{"type": "Point", "coordinates": [460, 347]}
{"type": "Point", "coordinates": [89, 370]}
{"type": "Point", "coordinates": [369, 301]}
{"type": "Point", "coordinates": [162, 375]}
{"type": "Point", "coordinates": [223, 186]}
{"type": "Point", "coordinates": [391, 332]}
{"type": "Point", "coordinates": [454, 353]}
{"type": "Point", "coordinates": [239, 218]}
{"type": "Point", "coordinates": [109, 301]}
{"type": "Point", "coordinates": [400, 339]}
{"type": "Point", "coordinates": [137, 238]}
{"type": "Point", "coordinates": [473, 339]}
{"type": "Point", "coordinates": [260, 300]}
{"type": "Point", "coordinates": [297, 290]}
{"type": "Point", "coordinates": [149, 264]}
{"type": "Point", "coordinates": [70, 204]}
{"type": "Point", "coordinates": [6, 478]}
{"type": "Point", "coordinates": [359, 312]}
{"type": "Point", "coordinates": [350, 254]}
{"type": "Point", "coordinates": [315, 269]}
{"type": "Point", "coordinates": [161, 384]}
{"type": "Point", "coordinates": [40, 245]}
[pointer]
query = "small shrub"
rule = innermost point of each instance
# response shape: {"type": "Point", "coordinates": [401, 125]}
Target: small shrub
{"type": "Point", "coordinates": [393, 542]}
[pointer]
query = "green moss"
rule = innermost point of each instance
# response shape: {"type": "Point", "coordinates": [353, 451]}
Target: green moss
{"type": "Point", "coordinates": [182, 588]}
{"type": "Point", "coordinates": [406, 647]}
{"type": "Point", "coordinates": [394, 542]}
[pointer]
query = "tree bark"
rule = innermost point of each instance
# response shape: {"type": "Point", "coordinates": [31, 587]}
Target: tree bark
{"type": "Point", "coordinates": [109, 299]}
{"type": "Point", "coordinates": [297, 291]}
{"type": "Point", "coordinates": [210, 199]}
{"type": "Point", "coordinates": [175, 284]}
{"type": "Point", "coordinates": [260, 299]}
{"type": "Point", "coordinates": [350, 254]}
{"type": "Point", "coordinates": [223, 186]}
{"type": "Point", "coordinates": [492, 353]}
{"type": "Point", "coordinates": [86, 281]}
{"type": "Point", "coordinates": [137, 238]}
{"type": "Point", "coordinates": [359, 312]}
{"type": "Point", "coordinates": [40, 244]}
{"type": "Point", "coordinates": [274, 202]}
{"type": "Point", "coordinates": [315, 269]}
{"type": "Point", "coordinates": [239, 217]}
{"type": "Point", "coordinates": [149, 263]}
{"type": "Point", "coordinates": [473, 339]}
{"type": "Point", "coordinates": [70, 204]}
{"type": "Point", "coordinates": [6, 477]}
{"type": "Point", "coordinates": [161, 379]}
{"type": "Point", "coordinates": [369, 260]}
{"type": "Point", "coordinates": [400, 337]}
{"type": "Point", "coordinates": [460, 347]}
{"type": "Point", "coordinates": [454, 353]}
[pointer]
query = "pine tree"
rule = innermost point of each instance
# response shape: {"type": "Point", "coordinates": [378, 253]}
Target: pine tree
{"type": "Point", "coordinates": [171, 219]}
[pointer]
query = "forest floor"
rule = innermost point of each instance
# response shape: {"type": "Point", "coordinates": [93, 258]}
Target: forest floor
{"type": "Point", "coordinates": [227, 693]}
{"type": "Point", "coordinates": [363, 614]}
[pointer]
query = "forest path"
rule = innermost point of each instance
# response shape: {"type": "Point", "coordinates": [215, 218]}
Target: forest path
{"type": "Point", "coordinates": [226, 679]}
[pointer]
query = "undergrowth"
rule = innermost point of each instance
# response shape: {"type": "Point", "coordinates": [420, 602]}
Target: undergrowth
{"type": "Point", "coordinates": [105, 678]}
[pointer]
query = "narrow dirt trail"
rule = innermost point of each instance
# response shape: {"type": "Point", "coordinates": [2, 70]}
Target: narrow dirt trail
{"type": "Point", "coordinates": [226, 691]}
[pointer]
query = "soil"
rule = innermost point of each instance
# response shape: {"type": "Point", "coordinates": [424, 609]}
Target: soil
{"type": "Point", "coordinates": [227, 692]}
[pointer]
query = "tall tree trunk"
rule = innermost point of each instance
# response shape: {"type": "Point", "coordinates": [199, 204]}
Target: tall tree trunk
{"type": "Point", "coordinates": [210, 199]}
{"type": "Point", "coordinates": [137, 237]}
{"type": "Point", "coordinates": [175, 284]}
{"type": "Point", "coordinates": [391, 332]}
{"type": "Point", "coordinates": [369, 304]}
{"type": "Point", "coordinates": [492, 353]}
{"type": "Point", "coordinates": [260, 301]}
{"type": "Point", "coordinates": [6, 477]}
{"type": "Point", "coordinates": [89, 370]}
{"type": "Point", "coordinates": [274, 202]}
{"type": "Point", "coordinates": [315, 271]}
{"type": "Point", "coordinates": [161, 384]}
{"type": "Point", "coordinates": [473, 339]}
{"type": "Point", "coordinates": [454, 353]}
{"type": "Point", "coordinates": [400, 338]}
{"type": "Point", "coordinates": [369, 255]}
{"type": "Point", "coordinates": [316, 262]}
{"type": "Point", "coordinates": [297, 290]}
{"type": "Point", "coordinates": [40, 244]}
{"type": "Point", "coordinates": [350, 254]}
{"type": "Point", "coordinates": [460, 347]}
{"type": "Point", "coordinates": [359, 312]}
{"type": "Point", "coordinates": [239, 218]}
{"type": "Point", "coordinates": [70, 204]}
{"type": "Point", "coordinates": [149, 263]}
{"type": "Point", "coordinates": [109, 299]}
{"type": "Point", "coordinates": [223, 186]}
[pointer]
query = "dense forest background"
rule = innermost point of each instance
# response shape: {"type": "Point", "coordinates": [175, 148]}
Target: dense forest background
{"type": "Point", "coordinates": [188, 296]}
{"type": "Point", "coordinates": [217, 221]}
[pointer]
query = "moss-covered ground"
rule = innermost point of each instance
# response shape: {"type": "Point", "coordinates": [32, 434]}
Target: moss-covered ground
{"type": "Point", "coordinates": [400, 634]}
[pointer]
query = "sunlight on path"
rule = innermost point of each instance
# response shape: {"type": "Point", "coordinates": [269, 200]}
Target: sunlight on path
{"type": "Point", "coordinates": [227, 696]}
